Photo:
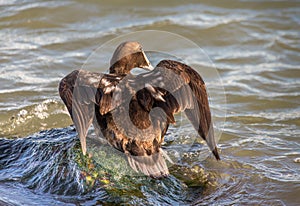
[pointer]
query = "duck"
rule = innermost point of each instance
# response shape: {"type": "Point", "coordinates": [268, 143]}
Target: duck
{"type": "Point", "coordinates": [133, 112]}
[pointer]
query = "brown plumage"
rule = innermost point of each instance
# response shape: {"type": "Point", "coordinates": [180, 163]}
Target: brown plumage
{"type": "Point", "coordinates": [133, 112]}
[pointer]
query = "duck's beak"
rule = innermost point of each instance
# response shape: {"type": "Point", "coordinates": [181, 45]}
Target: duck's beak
{"type": "Point", "coordinates": [148, 65]}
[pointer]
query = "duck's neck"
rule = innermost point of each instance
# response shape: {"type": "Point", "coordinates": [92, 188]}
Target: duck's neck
{"type": "Point", "coordinates": [120, 68]}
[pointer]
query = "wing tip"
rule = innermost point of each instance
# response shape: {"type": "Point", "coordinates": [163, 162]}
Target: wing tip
{"type": "Point", "coordinates": [216, 154]}
{"type": "Point", "coordinates": [83, 145]}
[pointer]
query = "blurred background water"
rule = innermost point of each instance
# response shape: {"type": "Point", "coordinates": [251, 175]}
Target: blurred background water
{"type": "Point", "coordinates": [255, 46]}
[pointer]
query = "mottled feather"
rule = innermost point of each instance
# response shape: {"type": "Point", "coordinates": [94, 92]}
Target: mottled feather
{"type": "Point", "coordinates": [133, 112]}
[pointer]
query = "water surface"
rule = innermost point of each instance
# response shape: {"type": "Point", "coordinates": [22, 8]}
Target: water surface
{"type": "Point", "coordinates": [255, 46]}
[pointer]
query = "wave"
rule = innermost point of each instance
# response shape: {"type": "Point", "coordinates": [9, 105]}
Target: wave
{"type": "Point", "coordinates": [45, 115]}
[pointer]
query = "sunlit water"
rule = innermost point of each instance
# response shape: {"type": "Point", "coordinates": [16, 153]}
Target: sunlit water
{"type": "Point", "coordinates": [254, 45]}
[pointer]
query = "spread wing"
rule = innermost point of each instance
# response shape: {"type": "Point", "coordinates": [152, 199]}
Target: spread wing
{"type": "Point", "coordinates": [80, 91]}
{"type": "Point", "coordinates": [176, 87]}
{"type": "Point", "coordinates": [171, 86]}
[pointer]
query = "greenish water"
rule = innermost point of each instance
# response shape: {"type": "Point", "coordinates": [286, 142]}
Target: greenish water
{"type": "Point", "coordinates": [255, 46]}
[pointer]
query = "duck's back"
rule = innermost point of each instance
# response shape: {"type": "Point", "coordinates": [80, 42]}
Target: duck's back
{"type": "Point", "coordinates": [139, 133]}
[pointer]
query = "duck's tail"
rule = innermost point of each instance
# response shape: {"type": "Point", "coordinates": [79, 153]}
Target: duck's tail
{"type": "Point", "coordinates": [153, 165]}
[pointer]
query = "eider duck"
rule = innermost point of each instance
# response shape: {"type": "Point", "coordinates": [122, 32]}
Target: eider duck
{"type": "Point", "coordinates": [133, 112]}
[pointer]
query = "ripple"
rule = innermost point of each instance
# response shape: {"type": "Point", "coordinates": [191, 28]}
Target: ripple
{"type": "Point", "coordinates": [208, 20]}
{"type": "Point", "coordinates": [24, 77]}
{"type": "Point", "coordinates": [33, 118]}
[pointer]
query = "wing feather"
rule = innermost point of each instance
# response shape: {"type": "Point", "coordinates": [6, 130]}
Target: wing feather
{"type": "Point", "coordinates": [183, 89]}
{"type": "Point", "coordinates": [80, 91]}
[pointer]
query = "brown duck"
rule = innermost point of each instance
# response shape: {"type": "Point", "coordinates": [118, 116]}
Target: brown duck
{"type": "Point", "coordinates": [133, 112]}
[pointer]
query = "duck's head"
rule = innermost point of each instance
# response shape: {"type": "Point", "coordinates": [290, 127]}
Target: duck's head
{"type": "Point", "coordinates": [127, 56]}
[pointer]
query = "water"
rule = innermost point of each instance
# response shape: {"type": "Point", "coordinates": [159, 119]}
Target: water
{"type": "Point", "coordinates": [253, 44]}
